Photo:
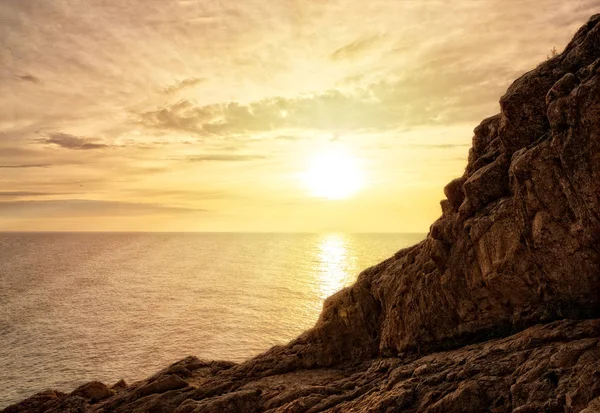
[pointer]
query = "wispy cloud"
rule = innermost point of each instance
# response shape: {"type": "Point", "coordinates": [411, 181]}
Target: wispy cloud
{"type": "Point", "coordinates": [16, 194]}
{"type": "Point", "coordinates": [33, 165]}
{"type": "Point", "coordinates": [184, 194]}
{"type": "Point", "coordinates": [438, 146]}
{"type": "Point", "coordinates": [356, 48]}
{"type": "Point", "coordinates": [291, 138]}
{"type": "Point", "coordinates": [223, 157]}
{"type": "Point", "coordinates": [28, 78]}
{"type": "Point", "coordinates": [182, 116]}
{"type": "Point", "coordinates": [86, 208]}
{"type": "Point", "coordinates": [67, 141]}
{"type": "Point", "coordinates": [424, 99]}
{"type": "Point", "coordinates": [184, 84]}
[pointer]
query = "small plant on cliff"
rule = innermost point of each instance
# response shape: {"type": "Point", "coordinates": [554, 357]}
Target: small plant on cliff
{"type": "Point", "coordinates": [553, 54]}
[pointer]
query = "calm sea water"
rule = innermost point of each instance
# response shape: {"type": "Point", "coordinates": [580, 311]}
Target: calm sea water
{"type": "Point", "coordinates": [76, 307]}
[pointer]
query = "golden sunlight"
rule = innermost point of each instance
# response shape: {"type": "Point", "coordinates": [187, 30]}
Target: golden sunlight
{"type": "Point", "coordinates": [333, 174]}
{"type": "Point", "coordinates": [333, 261]}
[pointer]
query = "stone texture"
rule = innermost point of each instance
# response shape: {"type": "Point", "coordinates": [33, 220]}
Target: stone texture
{"type": "Point", "coordinates": [40, 402]}
{"type": "Point", "coordinates": [551, 367]}
{"type": "Point", "coordinates": [92, 391]}
{"type": "Point", "coordinates": [432, 329]}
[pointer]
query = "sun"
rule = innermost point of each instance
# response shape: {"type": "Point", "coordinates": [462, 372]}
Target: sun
{"type": "Point", "coordinates": [333, 174]}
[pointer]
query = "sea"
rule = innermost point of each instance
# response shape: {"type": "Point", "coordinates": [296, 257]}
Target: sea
{"type": "Point", "coordinates": [76, 307]}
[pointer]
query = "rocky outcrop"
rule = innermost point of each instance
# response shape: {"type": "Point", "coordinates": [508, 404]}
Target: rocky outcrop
{"type": "Point", "coordinates": [547, 368]}
{"type": "Point", "coordinates": [518, 244]}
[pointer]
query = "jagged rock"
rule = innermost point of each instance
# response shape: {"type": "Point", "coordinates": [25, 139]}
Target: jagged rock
{"type": "Point", "coordinates": [161, 385]}
{"type": "Point", "coordinates": [485, 185]}
{"type": "Point", "coordinates": [92, 391]}
{"type": "Point", "coordinates": [593, 406]}
{"type": "Point", "coordinates": [454, 193]}
{"type": "Point", "coordinates": [40, 402]}
{"type": "Point", "coordinates": [72, 404]}
{"type": "Point", "coordinates": [244, 401]}
{"type": "Point", "coordinates": [518, 244]}
{"type": "Point", "coordinates": [118, 386]}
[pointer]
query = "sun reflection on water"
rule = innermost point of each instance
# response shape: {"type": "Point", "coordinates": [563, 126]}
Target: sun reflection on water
{"type": "Point", "coordinates": [334, 264]}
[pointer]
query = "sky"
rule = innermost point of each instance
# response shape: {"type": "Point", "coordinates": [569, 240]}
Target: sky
{"type": "Point", "coordinates": [197, 115]}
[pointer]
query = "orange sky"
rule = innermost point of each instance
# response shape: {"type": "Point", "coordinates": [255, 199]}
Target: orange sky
{"type": "Point", "coordinates": [196, 115]}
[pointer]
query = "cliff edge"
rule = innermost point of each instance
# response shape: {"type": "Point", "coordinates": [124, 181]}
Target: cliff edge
{"type": "Point", "coordinates": [494, 311]}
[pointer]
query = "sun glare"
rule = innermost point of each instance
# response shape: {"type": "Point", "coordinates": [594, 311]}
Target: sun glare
{"type": "Point", "coordinates": [333, 174]}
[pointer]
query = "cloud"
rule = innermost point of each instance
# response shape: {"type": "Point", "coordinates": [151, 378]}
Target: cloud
{"type": "Point", "coordinates": [292, 138]}
{"type": "Point", "coordinates": [355, 48]}
{"type": "Point", "coordinates": [449, 96]}
{"type": "Point", "coordinates": [85, 208]}
{"type": "Point", "coordinates": [323, 111]}
{"type": "Point", "coordinates": [184, 194]}
{"type": "Point", "coordinates": [223, 158]}
{"type": "Point", "coordinates": [192, 81]}
{"type": "Point", "coordinates": [32, 155]}
{"type": "Point", "coordinates": [182, 116]}
{"type": "Point", "coordinates": [27, 193]}
{"type": "Point", "coordinates": [28, 78]}
{"type": "Point", "coordinates": [438, 146]}
{"type": "Point", "coordinates": [36, 165]}
{"type": "Point", "coordinates": [67, 141]}
{"type": "Point", "coordinates": [16, 151]}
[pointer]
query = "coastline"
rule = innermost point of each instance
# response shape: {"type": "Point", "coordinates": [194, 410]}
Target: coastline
{"type": "Point", "coordinates": [429, 329]}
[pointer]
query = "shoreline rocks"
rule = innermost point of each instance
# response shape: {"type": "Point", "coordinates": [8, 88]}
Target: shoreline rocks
{"type": "Point", "coordinates": [552, 367]}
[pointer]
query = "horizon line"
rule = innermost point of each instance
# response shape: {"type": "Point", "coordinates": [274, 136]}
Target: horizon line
{"type": "Point", "coordinates": [208, 232]}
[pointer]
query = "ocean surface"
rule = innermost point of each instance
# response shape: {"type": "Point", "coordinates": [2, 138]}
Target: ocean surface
{"type": "Point", "coordinates": [76, 307]}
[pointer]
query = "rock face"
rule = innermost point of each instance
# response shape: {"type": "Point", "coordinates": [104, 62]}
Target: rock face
{"type": "Point", "coordinates": [518, 244]}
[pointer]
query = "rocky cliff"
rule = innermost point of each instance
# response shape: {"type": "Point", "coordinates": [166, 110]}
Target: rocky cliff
{"type": "Point", "coordinates": [494, 311]}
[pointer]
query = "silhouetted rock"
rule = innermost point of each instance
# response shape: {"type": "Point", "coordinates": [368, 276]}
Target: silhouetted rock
{"type": "Point", "coordinates": [465, 320]}
{"type": "Point", "coordinates": [118, 386]}
{"type": "Point", "coordinates": [92, 391]}
{"type": "Point", "coordinates": [40, 402]}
